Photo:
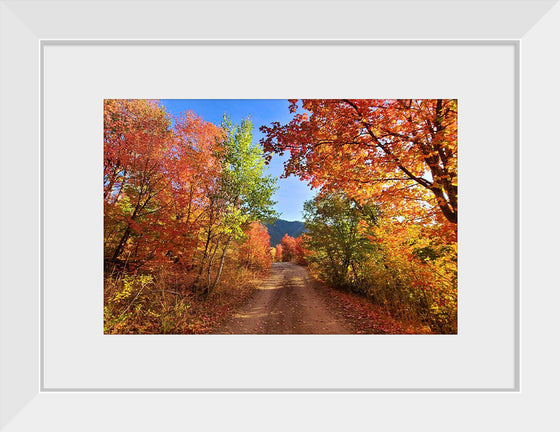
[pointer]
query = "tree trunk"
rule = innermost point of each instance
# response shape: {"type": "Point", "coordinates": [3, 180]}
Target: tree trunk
{"type": "Point", "coordinates": [120, 246]}
{"type": "Point", "coordinates": [210, 264]}
{"type": "Point", "coordinates": [128, 230]}
{"type": "Point", "coordinates": [217, 279]}
{"type": "Point", "coordinates": [203, 260]}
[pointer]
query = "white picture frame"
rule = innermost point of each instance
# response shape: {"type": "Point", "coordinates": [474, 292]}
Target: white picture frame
{"type": "Point", "coordinates": [27, 26]}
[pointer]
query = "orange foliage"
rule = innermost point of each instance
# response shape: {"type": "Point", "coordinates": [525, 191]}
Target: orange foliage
{"type": "Point", "coordinates": [299, 250]}
{"type": "Point", "coordinates": [399, 153]}
{"type": "Point", "coordinates": [157, 179]}
{"type": "Point", "coordinates": [254, 252]}
{"type": "Point", "coordinates": [288, 244]}
{"type": "Point", "coordinates": [291, 249]}
{"type": "Point", "coordinates": [278, 255]}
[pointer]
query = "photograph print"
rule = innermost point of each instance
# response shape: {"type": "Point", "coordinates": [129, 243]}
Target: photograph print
{"type": "Point", "coordinates": [314, 216]}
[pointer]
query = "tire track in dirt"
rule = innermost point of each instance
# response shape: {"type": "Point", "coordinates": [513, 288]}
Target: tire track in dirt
{"type": "Point", "coordinates": [287, 302]}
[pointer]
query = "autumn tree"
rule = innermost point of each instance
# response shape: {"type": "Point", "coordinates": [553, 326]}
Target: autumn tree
{"type": "Point", "coordinates": [137, 135]}
{"type": "Point", "coordinates": [288, 244]}
{"type": "Point", "coordinates": [394, 151]}
{"type": "Point", "coordinates": [300, 251]}
{"type": "Point", "coordinates": [193, 170]}
{"type": "Point", "coordinates": [278, 253]}
{"type": "Point", "coordinates": [158, 175]}
{"type": "Point", "coordinates": [254, 251]}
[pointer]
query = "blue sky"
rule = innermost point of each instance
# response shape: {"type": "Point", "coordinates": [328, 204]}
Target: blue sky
{"type": "Point", "coordinates": [292, 192]}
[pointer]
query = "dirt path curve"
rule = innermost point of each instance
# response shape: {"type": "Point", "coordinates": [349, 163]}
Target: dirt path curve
{"type": "Point", "coordinates": [287, 302]}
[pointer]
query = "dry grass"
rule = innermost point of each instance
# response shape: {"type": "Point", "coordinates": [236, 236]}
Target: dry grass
{"type": "Point", "coordinates": [159, 302]}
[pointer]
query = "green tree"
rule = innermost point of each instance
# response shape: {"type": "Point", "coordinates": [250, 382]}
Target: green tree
{"type": "Point", "coordinates": [244, 191]}
{"type": "Point", "coordinates": [339, 236]}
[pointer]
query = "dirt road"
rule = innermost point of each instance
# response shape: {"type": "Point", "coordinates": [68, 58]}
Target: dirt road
{"type": "Point", "coordinates": [287, 302]}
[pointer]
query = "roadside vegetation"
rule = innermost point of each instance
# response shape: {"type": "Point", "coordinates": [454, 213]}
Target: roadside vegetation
{"type": "Point", "coordinates": [183, 204]}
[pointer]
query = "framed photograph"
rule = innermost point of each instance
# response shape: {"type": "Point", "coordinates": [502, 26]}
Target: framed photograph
{"type": "Point", "coordinates": [143, 148]}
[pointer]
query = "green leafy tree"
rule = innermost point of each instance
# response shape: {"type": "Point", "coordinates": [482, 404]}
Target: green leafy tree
{"type": "Point", "coordinates": [339, 237]}
{"type": "Point", "coordinates": [244, 192]}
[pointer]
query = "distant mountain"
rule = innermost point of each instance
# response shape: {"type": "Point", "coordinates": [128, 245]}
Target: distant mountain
{"type": "Point", "coordinates": [277, 230]}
